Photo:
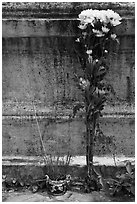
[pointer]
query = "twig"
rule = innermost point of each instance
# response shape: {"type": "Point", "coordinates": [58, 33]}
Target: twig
{"type": "Point", "coordinates": [40, 135]}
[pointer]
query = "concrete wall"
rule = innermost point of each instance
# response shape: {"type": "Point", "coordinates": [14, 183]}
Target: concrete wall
{"type": "Point", "coordinates": [21, 137]}
{"type": "Point", "coordinates": [38, 65]}
{"type": "Point", "coordinates": [44, 66]}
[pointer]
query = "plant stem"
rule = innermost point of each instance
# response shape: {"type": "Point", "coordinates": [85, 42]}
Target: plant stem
{"type": "Point", "coordinates": [90, 129]}
{"type": "Point", "coordinates": [40, 135]}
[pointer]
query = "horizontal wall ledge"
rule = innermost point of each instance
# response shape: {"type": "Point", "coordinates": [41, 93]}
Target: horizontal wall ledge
{"type": "Point", "coordinates": [60, 119]}
{"type": "Point", "coordinates": [27, 111]}
{"type": "Point", "coordinates": [54, 27]}
{"type": "Point", "coordinates": [63, 134]}
{"type": "Point", "coordinates": [76, 160]}
{"type": "Point", "coordinates": [63, 9]}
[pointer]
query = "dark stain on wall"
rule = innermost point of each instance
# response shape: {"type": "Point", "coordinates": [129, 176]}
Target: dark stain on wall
{"type": "Point", "coordinates": [39, 62]}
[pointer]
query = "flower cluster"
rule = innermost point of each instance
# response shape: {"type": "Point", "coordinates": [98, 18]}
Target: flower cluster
{"type": "Point", "coordinates": [101, 21]}
{"type": "Point", "coordinates": [84, 83]}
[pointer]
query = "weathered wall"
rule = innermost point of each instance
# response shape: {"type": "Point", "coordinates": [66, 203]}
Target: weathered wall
{"type": "Point", "coordinates": [39, 67]}
{"type": "Point", "coordinates": [39, 53]}
{"type": "Point", "coordinates": [21, 137]}
{"type": "Point", "coordinates": [44, 67]}
{"type": "Point", "coordinates": [38, 64]}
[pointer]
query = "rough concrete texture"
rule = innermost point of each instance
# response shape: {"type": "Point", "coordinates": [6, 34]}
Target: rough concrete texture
{"type": "Point", "coordinates": [54, 27]}
{"type": "Point", "coordinates": [54, 9]}
{"type": "Point", "coordinates": [21, 137]}
{"type": "Point", "coordinates": [37, 68]}
{"type": "Point", "coordinates": [38, 65]}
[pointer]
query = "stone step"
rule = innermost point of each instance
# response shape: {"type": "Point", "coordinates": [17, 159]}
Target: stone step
{"type": "Point", "coordinates": [75, 161]}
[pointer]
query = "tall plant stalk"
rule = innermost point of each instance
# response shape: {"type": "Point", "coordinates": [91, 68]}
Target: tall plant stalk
{"type": "Point", "coordinates": [92, 47]}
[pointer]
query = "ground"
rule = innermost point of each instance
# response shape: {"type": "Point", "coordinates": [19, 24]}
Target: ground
{"type": "Point", "coordinates": [69, 196]}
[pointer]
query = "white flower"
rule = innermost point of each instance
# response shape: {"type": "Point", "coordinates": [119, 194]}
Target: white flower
{"type": "Point", "coordinates": [82, 26]}
{"type": "Point", "coordinates": [98, 33]}
{"type": "Point", "coordinates": [106, 51]}
{"type": "Point", "coordinates": [77, 40]}
{"type": "Point", "coordinates": [105, 30]}
{"type": "Point", "coordinates": [86, 13]}
{"type": "Point", "coordinates": [115, 22]}
{"type": "Point", "coordinates": [90, 59]}
{"type": "Point", "coordinates": [89, 52]}
{"type": "Point", "coordinates": [90, 21]}
{"type": "Point", "coordinates": [80, 79]}
{"type": "Point", "coordinates": [90, 16]}
{"type": "Point", "coordinates": [112, 14]}
{"type": "Point", "coordinates": [113, 36]}
{"type": "Point", "coordinates": [113, 17]}
{"type": "Point", "coordinates": [84, 83]}
{"type": "Point", "coordinates": [86, 16]}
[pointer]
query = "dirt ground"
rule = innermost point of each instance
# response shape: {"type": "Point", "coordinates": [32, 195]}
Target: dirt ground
{"type": "Point", "coordinates": [44, 197]}
{"type": "Point", "coordinates": [69, 196]}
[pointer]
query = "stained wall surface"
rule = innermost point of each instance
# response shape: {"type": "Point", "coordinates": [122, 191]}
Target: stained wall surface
{"type": "Point", "coordinates": [39, 62]}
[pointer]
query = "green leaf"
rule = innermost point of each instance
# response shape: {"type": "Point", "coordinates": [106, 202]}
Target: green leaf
{"type": "Point", "coordinates": [129, 167]}
{"type": "Point", "coordinates": [76, 108]}
{"type": "Point", "coordinates": [89, 70]}
{"type": "Point", "coordinates": [132, 189]}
